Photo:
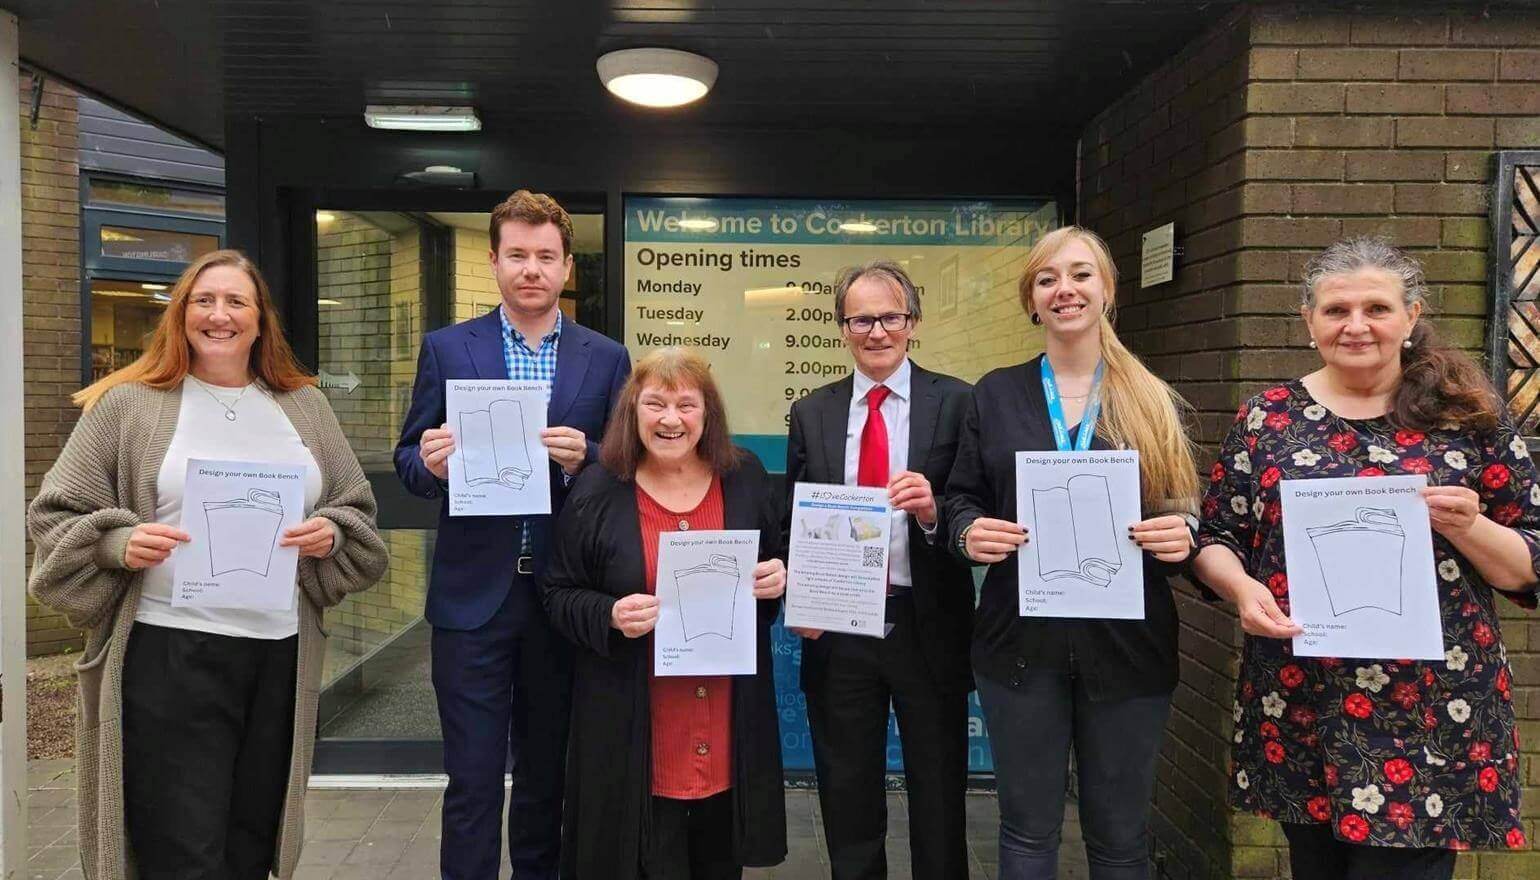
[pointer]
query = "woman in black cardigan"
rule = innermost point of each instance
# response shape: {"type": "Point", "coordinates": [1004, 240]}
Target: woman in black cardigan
{"type": "Point", "coordinates": [1048, 685]}
{"type": "Point", "coordinates": [666, 462]}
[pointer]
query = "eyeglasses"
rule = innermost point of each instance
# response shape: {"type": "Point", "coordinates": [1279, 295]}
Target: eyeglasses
{"type": "Point", "coordinates": [864, 324]}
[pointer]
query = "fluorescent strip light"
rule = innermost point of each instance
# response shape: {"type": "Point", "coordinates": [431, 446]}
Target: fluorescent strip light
{"type": "Point", "coordinates": [422, 118]}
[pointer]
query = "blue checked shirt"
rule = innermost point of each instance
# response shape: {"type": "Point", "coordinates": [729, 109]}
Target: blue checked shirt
{"type": "Point", "coordinates": [527, 365]}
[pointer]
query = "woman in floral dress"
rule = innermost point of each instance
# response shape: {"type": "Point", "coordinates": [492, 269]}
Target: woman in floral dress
{"type": "Point", "coordinates": [1378, 768]}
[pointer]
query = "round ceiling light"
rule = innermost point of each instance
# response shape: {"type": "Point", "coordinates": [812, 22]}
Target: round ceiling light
{"type": "Point", "coordinates": [657, 77]}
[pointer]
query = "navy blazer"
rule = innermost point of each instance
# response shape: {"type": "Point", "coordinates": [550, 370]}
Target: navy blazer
{"type": "Point", "coordinates": [475, 557]}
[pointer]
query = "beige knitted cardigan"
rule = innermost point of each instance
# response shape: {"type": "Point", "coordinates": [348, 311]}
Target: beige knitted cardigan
{"type": "Point", "coordinates": [103, 485]}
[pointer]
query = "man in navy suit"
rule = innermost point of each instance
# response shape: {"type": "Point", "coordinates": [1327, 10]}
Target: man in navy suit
{"type": "Point", "coordinates": [501, 674]}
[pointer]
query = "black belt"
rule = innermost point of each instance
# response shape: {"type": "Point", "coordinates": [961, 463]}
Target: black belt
{"type": "Point", "coordinates": [525, 565]}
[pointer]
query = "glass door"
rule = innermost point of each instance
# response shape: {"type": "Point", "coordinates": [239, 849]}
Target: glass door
{"type": "Point", "coordinates": [382, 280]}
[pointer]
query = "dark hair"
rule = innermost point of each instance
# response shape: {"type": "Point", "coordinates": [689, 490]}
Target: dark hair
{"type": "Point", "coordinates": [1440, 386]}
{"type": "Point", "coordinates": [673, 368]}
{"type": "Point", "coordinates": [536, 209]}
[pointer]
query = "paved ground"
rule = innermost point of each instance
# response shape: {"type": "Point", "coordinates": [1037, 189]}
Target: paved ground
{"type": "Point", "coordinates": [393, 834]}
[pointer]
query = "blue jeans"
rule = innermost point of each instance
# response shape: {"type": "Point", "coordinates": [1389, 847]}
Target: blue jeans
{"type": "Point", "coordinates": [1032, 726]}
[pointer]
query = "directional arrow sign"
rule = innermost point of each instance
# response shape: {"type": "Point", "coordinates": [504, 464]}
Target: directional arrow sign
{"type": "Point", "coordinates": [347, 381]}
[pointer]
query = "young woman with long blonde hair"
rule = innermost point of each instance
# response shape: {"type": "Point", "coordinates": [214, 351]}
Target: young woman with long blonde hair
{"type": "Point", "coordinates": [1102, 687]}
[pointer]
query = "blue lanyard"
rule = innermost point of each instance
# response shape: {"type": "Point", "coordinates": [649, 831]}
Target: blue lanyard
{"type": "Point", "coordinates": [1093, 405]}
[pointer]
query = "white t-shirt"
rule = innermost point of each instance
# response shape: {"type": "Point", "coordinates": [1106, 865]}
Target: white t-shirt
{"type": "Point", "coordinates": [260, 432]}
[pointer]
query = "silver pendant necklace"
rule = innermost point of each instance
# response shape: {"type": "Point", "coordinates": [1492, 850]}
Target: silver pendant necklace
{"type": "Point", "coordinates": [228, 407]}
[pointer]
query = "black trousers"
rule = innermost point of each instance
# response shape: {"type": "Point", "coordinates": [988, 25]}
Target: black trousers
{"type": "Point", "coordinates": [1315, 853]}
{"type": "Point", "coordinates": [208, 724]}
{"type": "Point", "coordinates": [691, 840]}
{"type": "Point", "coordinates": [847, 712]}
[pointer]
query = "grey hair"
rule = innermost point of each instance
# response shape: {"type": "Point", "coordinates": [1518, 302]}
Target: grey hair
{"type": "Point", "coordinates": [1365, 252]}
{"type": "Point", "coordinates": [887, 270]}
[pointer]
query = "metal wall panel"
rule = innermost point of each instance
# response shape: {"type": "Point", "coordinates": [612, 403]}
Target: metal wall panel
{"type": "Point", "coordinates": [112, 141]}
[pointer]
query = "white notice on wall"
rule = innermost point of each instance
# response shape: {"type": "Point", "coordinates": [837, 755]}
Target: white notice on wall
{"type": "Point", "coordinates": [1359, 556]}
{"type": "Point", "coordinates": [837, 565]}
{"type": "Point", "coordinates": [1078, 560]}
{"type": "Point", "coordinates": [1157, 256]}
{"type": "Point", "coordinates": [499, 467]}
{"type": "Point", "coordinates": [706, 606]}
{"type": "Point", "coordinates": [234, 513]}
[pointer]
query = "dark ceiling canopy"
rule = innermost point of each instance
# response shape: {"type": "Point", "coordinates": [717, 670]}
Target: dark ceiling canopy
{"type": "Point", "coordinates": [189, 64]}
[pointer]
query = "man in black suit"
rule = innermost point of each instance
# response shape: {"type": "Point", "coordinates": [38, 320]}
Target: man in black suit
{"type": "Point", "coordinates": [890, 424]}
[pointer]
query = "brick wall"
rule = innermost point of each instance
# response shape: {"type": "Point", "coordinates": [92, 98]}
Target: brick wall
{"type": "Point", "coordinates": [1277, 132]}
{"type": "Point", "coordinates": [50, 192]}
{"type": "Point", "coordinates": [475, 290]}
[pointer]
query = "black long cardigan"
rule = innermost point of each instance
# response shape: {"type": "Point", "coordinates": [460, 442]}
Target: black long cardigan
{"type": "Point", "coordinates": [596, 559]}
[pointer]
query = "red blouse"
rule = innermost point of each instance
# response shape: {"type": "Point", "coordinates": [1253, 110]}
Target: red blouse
{"type": "Point", "coordinates": [691, 715]}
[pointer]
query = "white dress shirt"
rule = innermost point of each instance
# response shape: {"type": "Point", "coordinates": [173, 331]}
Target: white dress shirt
{"type": "Point", "coordinates": [895, 414]}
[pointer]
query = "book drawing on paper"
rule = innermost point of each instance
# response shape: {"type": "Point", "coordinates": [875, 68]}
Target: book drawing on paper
{"type": "Point", "coordinates": [708, 593]}
{"type": "Point", "coordinates": [492, 441]}
{"type": "Point", "coordinates": [1074, 531]}
{"type": "Point", "coordinates": [241, 532]}
{"type": "Point", "coordinates": [1354, 556]}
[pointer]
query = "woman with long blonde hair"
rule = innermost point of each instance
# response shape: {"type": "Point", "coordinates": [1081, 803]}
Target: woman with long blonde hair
{"type": "Point", "coordinates": [197, 723]}
{"type": "Point", "coordinates": [1047, 685]}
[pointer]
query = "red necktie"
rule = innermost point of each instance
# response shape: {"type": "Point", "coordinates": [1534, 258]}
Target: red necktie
{"type": "Point", "coordinates": [872, 467]}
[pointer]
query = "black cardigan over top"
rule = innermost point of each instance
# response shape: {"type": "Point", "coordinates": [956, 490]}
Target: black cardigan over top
{"type": "Point", "coordinates": [597, 559]}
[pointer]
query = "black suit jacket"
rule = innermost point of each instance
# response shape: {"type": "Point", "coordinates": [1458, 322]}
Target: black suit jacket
{"type": "Point", "coordinates": [943, 585]}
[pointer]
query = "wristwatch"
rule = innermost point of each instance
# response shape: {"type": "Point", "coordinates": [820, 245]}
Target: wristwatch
{"type": "Point", "coordinates": [962, 540]}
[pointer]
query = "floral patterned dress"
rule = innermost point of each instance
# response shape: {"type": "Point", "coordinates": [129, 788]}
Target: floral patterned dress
{"type": "Point", "coordinates": [1390, 752]}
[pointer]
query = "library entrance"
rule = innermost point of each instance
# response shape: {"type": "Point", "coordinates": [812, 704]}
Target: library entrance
{"type": "Point", "coordinates": [381, 279]}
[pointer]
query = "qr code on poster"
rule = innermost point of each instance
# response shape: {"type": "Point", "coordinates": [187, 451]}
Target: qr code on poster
{"type": "Point", "coordinates": [871, 557]}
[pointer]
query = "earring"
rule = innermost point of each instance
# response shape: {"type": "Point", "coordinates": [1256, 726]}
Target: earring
{"type": "Point", "coordinates": [1036, 318]}
{"type": "Point", "coordinates": [1407, 343]}
{"type": "Point", "coordinates": [1312, 343]}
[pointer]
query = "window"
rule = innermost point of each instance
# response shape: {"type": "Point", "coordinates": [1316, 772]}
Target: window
{"type": "Point", "coordinates": [123, 315]}
{"type": "Point", "coordinates": [159, 245]}
{"type": "Point", "coordinates": [137, 237]}
{"type": "Point", "coordinates": [146, 196]}
{"type": "Point", "coordinates": [1513, 337]}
